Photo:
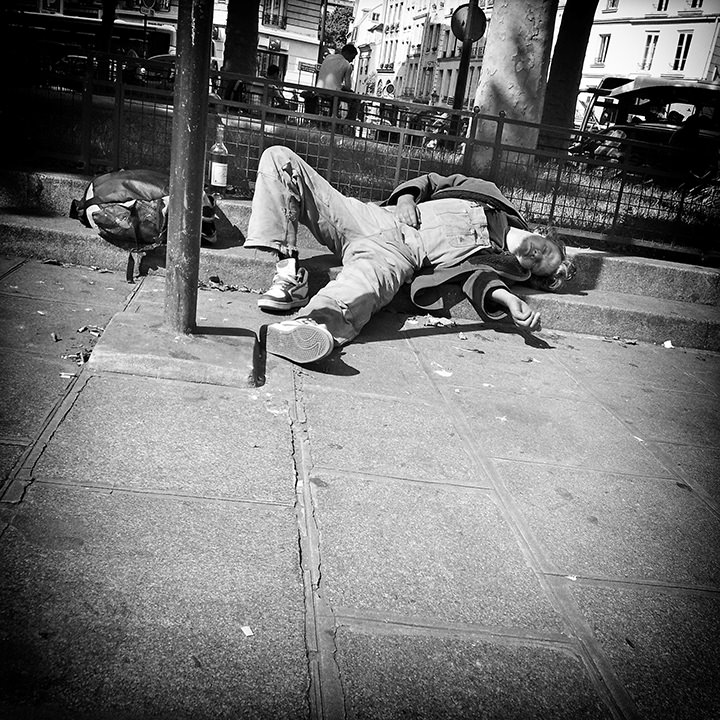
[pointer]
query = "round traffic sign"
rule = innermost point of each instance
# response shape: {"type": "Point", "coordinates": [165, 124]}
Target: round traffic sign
{"type": "Point", "coordinates": [458, 21]}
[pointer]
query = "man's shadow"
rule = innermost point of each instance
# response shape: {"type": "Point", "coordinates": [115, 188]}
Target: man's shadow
{"type": "Point", "coordinates": [390, 323]}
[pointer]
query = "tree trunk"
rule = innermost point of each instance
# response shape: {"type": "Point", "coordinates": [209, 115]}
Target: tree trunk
{"type": "Point", "coordinates": [514, 70]}
{"type": "Point", "coordinates": [566, 70]}
{"type": "Point", "coordinates": [103, 40]}
{"type": "Point", "coordinates": [104, 37]}
{"type": "Point", "coordinates": [241, 36]}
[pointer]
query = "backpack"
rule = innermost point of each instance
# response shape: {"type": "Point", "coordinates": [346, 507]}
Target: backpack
{"type": "Point", "coordinates": [129, 208]}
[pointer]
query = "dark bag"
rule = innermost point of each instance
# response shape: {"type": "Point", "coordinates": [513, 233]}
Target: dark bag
{"type": "Point", "coordinates": [129, 208]}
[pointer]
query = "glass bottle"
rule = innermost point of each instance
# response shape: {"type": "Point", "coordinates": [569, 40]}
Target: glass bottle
{"type": "Point", "coordinates": [218, 163]}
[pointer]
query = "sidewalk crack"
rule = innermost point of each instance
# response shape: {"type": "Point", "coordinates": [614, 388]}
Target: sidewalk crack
{"type": "Point", "coordinates": [325, 691]}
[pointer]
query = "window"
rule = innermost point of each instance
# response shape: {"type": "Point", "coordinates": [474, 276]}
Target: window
{"type": "Point", "coordinates": [681, 53]}
{"type": "Point", "coordinates": [612, 4]}
{"type": "Point", "coordinates": [696, 4]}
{"type": "Point", "coordinates": [662, 5]}
{"type": "Point", "coordinates": [651, 41]}
{"type": "Point", "coordinates": [603, 51]}
{"type": "Point", "coordinates": [275, 13]}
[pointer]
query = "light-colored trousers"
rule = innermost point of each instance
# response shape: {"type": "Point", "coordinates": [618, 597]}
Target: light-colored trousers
{"type": "Point", "coordinates": [376, 261]}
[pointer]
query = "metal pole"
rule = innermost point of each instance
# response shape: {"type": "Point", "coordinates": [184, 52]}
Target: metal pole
{"type": "Point", "coordinates": [187, 163]}
{"type": "Point", "coordinates": [464, 57]}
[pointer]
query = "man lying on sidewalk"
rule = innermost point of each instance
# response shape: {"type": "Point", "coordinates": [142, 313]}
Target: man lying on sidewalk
{"type": "Point", "coordinates": [430, 231]}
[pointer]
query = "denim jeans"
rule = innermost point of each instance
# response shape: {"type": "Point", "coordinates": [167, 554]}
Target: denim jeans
{"type": "Point", "coordinates": [378, 253]}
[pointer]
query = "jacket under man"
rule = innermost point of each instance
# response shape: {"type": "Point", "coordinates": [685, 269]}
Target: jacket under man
{"type": "Point", "coordinates": [487, 266]}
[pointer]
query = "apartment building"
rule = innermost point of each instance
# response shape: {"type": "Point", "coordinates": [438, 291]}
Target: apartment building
{"type": "Point", "coordinates": [409, 52]}
{"type": "Point", "coordinates": [665, 38]}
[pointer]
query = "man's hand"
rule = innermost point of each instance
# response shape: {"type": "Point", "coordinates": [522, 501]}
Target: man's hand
{"type": "Point", "coordinates": [520, 312]}
{"type": "Point", "coordinates": [407, 211]}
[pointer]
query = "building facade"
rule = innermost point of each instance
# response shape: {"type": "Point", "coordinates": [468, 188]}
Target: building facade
{"type": "Point", "coordinates": [288, 36]}
{"type": "Point", "coordinates": [663, 38]}
{"type": "Point", "coordinates": [409, 51]}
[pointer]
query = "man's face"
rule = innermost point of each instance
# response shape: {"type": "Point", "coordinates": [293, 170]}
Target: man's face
{"type": "Point", "coordinates": [539, 255]}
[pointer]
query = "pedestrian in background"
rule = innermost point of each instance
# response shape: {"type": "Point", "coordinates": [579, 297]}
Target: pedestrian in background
{"type": "Point", "coordinates": [336, 70]}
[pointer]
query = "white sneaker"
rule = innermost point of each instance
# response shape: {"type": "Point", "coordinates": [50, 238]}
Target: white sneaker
{"type": "Point", "coordinates": [289, 289]}
{"type": "Point", "coordinates": [301, 340]}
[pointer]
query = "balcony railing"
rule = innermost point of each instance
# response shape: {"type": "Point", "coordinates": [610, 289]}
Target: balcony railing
{"type": "Point", "coordinates": [275, 20]}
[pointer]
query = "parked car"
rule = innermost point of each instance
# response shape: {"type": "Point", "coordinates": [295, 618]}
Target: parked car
{"type": "Point", "coordinates": [437, 123]}
{"type": "Point", "coordinates": [69, 72]}
{"type": "Point", "coordinates": [159, 72]}
{"type": "Point", "coordinates": [667, 124]}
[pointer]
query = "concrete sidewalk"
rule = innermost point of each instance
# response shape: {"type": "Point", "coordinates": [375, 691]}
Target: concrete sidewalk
{"type": "Point", "coordinates": [438, 521]}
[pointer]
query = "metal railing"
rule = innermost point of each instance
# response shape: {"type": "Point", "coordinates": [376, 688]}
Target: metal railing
{"type": "Point", "coordinates": [364, 145]}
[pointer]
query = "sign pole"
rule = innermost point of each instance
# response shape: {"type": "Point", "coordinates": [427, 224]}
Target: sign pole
{"type": "Point", "coordinates": [187, 163]}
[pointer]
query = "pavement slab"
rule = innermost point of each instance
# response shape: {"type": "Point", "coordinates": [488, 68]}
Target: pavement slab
{"type": "Point", "coordinates": [659, 415]}
{"type": "Point", "coordinates": [492, 359]}
{"type": "Point", "coordinates": [47, 325]}
{"type": "Point", "coordinates": [696, 466]}
{"type": "Point", "coordinates": [570, 433]}
{"type": "Point", "coordinates": [127, 605]}
{"type": "Point", "coordinates": [77, 284]}
{"type": "Point", "coordinates": [392, 439]}
{"type": "Point", "coordinates": [31, 386]}
{"type": "Point", "coordinates": [153, 435]}
{"type": "Point", "coordinates": [392, 676]}
{"type": "Point", "coordinates": [7, 264]}
{"type": "Point", "coordinates": [223, 349]}
{"type": "Point", "coordinates": [418, 549]}
{"type": "Point", "coordinates": [663, 644]}
{"type": "Point", "coordinates": [10, 453]}
{"type": "Point", "coordinates": [597, 524]}
{"type": "Point", "coordinates": [625, 360]}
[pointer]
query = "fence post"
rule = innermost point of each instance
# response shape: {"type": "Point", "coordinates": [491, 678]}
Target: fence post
{"type": "Point", "coordinates": [681, 204]}
{"type": "Point", "coordinates": [469, 141]}
{"type": "Point", "coordinates": [87, 116]}
{"type": "Point", "coordinates": [398, 162]}
{"type": "Point", "coordinates": [553, 203]}
{"type": "Point", "coordinates": [497, 147]}
{"type": "Point", "coordinates": [187, 163]}
{"type": "Point", "coordinates": [616, 214]}
{"type": "Point", "coordinates": [118, 117]}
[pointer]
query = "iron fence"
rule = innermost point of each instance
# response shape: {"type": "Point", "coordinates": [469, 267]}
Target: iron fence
{"type": "Point", "coordinates": [109, 117]}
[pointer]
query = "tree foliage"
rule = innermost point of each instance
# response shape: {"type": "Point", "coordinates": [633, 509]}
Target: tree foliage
{"type": "Point", "coordinates": [337, 27]}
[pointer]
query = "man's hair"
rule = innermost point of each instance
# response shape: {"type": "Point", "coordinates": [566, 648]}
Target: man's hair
{"type": "Point", "coordinates": [349, 49]}
{"type": "Point", "coordinates": [565, 271]}
{"type": "Point", "coordinates": [273, 71]}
